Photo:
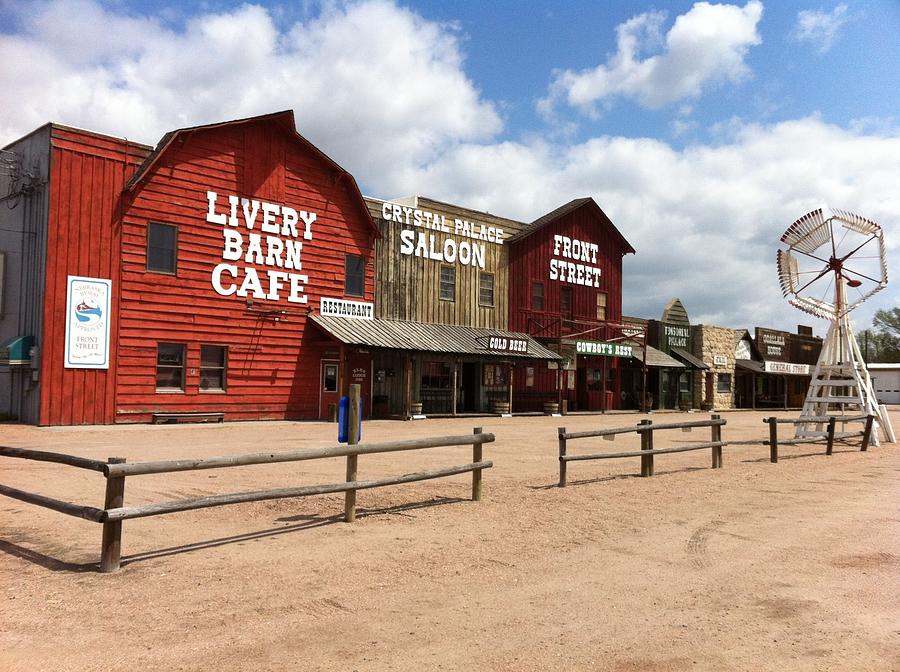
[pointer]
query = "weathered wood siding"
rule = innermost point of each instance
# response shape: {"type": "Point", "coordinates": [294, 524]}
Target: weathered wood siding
{"type": "Point", "coordinates": [23, 243]}
{"type": "Point", "coordinates": [529, 262]}
{"type": "Point", "coordinates": [407, 287]}
{"type": "Point", "coordinates": [273, 367]}
{"type": "Point", "coordinates": [88, 173]}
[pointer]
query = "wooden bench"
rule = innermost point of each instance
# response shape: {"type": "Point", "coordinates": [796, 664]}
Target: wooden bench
{"type": "Point", "coordinates": [199, 416]}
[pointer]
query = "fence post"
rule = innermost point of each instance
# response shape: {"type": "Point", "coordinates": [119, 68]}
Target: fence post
{"type": "Point", "coordinates": [352, 460]}
{"type": "Point", "coordinates": [773, 440]}
{"type": "Point", "coordinates": [647, 444]}
{"type": "Point", "coordinates": [716, 435]}
{"type": "Point", "coordinates": [867, 433]}
{"type": "Point", "coordinates": [829, 448]}
{"type": "Point", "coordinates": [111, 545]}
{"type": "Point", "coordinates": [476, 475]}
{"type": "Point", "coordinates": [562, 456]}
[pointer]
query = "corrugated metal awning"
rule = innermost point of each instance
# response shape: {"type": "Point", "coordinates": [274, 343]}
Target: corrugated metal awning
{"type": "Point", "coordinates": [425, 337]}
{"type": "Point", "coordinates": [656, 358]}
{"type": "Point", "coordinates": [685, 356]}
{"type": "Point", "coordinates": [750, 365]}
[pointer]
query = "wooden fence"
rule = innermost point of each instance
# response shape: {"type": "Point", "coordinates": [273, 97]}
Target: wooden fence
{"type": "Point", "coordinates": [829, 438]}
{"type": "Point", "coordinates": [116, 469]}
{"type": "Point", "coordinates": [646, 430]}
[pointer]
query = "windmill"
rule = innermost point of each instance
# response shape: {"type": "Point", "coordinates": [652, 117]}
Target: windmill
{"type": "Point", "coordinates": [835, 261]}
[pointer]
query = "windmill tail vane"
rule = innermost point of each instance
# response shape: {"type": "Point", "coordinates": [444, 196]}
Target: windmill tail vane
{"type": "Point", "coordinates": [829, 251]}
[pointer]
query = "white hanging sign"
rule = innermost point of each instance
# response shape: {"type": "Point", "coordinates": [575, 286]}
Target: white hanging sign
{"type": "Point", "coordinates": [342, 308]}
{"type": "Point", "coordinates": [88, 303]}
{"type": "Point", "coordinates": [787, 367]}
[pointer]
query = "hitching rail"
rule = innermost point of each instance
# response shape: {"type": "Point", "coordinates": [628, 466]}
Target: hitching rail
{"type": "Point", "coordinates": [645, 429]}
{"type": "Point", "coordinates": [829, 420]}
{"type": "Point", "coordinates": [116, 470]}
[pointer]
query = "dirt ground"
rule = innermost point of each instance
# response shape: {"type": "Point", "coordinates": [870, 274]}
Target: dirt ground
{"type": "Point", "coordinates": [756, 566]}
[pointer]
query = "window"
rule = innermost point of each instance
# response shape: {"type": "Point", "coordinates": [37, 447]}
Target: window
{"type": "Point", "coordinates": [330, 378]}
{"type": "Point", "coordinates": [170, 366]}
{"type": "Point", "coordinates": [723, 382]}
{"type": "Point", "coordinates": [565, 303]}
{"type": "Point", "coordinates": [601, 305]}
{"type": "Point", "coordinates": [448, 283]}
{"type": "Point", "coordinates": [537, 295]}
{"type": "Point", "coordinates": [213, 361]}
{"type": "Point", "coordinates": [162, 248]}
{"type": "Point", "coordinates": [354, 275]}
{"type": "Point", "coordinates": [486, 289]}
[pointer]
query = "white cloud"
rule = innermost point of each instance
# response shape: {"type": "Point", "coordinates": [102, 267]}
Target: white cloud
{"type": "Point", "coordinates": [384, 92]}
{"type": "Point", "coordinates": [705, 220]}
{"type": "Point", "coordinates": [704, 47]}
{"type": "Point", "coordinates": [820, 28]}
{"type": "Point", "coordinates": [371, 81]}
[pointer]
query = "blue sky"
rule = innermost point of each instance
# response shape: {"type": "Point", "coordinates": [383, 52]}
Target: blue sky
{"type": "Point", "coordinates": [703, 130]}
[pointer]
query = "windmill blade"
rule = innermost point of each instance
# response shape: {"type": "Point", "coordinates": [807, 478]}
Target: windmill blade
{"type": "Point", "coordinates": [858, 223]}
{"type": "Point", "coordinates": [809, 232]}
{"type": "Point", "coordinates": [788, 272]}
{"type": "Point", "coordinates": [816, 307]}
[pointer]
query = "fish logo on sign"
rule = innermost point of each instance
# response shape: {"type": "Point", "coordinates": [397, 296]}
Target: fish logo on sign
{"type": "Point", "coordinates": [84, 312]}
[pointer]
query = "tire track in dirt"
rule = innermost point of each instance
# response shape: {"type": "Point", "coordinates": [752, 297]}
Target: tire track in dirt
{"type": "Point", "coordinates": [697, 545]}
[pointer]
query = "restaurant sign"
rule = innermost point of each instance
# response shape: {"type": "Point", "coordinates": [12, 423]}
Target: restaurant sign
{"type": "Point", "coordinates": [359, 310]}
{"type": "Point", "coordinates": [787, 367]}
{"type": "Point", "coordinates": [503, 344]}
{"type": "Point", "coordinates": [603, 349]}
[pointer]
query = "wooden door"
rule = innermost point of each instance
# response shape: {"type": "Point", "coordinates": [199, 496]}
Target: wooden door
{"type": "Point", "coordinates": [329, 396]}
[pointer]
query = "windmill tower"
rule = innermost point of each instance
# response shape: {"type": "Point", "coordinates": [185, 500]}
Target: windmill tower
{"type": "Point", "coordinates": [835, 261]}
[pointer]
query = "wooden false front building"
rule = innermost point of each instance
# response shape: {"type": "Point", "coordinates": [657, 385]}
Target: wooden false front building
{"type": "Point", "coordinates": [179, 279]}
{"type": "Point", "coordinates": [235, 272]}
{"type": "Point", "coordinates": [568, 295]}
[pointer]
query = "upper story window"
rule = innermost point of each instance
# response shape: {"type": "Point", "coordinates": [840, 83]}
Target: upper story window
{"type": "Point", "coordinates": [354, 275]}
{"type": "Point", "coordinates": [162, 248]}
{"type": "Point", "coordinates": [537, 296]}
{"type": "Point", "coordinates": [486, 289]}
{"type": "Point", "coordinates": [448, 283]}
{"type": "Point", "coordinates": [565, 303]}
{"type": "Point", "coordinates": [213, 363]}
{"type": "Point", "coordinates": [601, 305]}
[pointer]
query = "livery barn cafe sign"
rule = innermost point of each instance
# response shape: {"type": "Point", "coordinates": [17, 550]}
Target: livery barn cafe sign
{"type": "Point", "coordinates": [463, 241]}
{"type": "Point", "coordinates": [264, 234]}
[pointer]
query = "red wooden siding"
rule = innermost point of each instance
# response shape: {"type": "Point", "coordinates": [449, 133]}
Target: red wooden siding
{"type": "Point", "coordinates": [88, 172]}
{"type": "Point", "coordinates": [529, 262]}
{"type": "Point", "coordinates": [273, 367]}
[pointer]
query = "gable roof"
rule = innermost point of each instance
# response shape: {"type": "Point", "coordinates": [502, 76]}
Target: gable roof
{"type": "Point", "coordinates": [284, 120]}
{"type": "Point", "coordinates": [563, 210]}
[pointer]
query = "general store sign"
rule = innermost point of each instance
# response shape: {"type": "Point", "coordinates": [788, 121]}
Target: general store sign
{"type": "Point", "coordinates": [603, 349]}
{"type": "Point", "coordinates": [503, 344]}
{"type": "Point", "coordinates": [263, 234]}
{"type": "Point", "coordinates": [342, 308]}
{"type": "Point", "coordinates": [431, 235]}
{"type": "Point", "coordinates": [787, 367]}
{"type": "Point", "coordinates": [87, 323]}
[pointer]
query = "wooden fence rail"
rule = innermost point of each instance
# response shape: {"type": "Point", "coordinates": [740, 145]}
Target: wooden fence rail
{"type": "Point", "coordinates": [116, 469]}
{"type": "Point", "coordinates": [829, 420]}
{"type": "Point", "coordinates": [646, 430]}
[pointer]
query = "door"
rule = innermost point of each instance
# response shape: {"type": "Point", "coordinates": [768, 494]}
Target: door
{"type": "Point", "coordinates": [359, 372]}
{"type": "Point", "coordinates": [328, 390]}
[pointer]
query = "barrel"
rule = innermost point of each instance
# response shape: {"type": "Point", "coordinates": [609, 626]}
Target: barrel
{"type": "Point", "coordinates": [551, 407]}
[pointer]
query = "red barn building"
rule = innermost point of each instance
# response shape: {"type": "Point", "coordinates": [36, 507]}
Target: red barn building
{"type": "Point", "coordinates": [179, 279]}
{"type": "Point", "coordinates": [567, 293]}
